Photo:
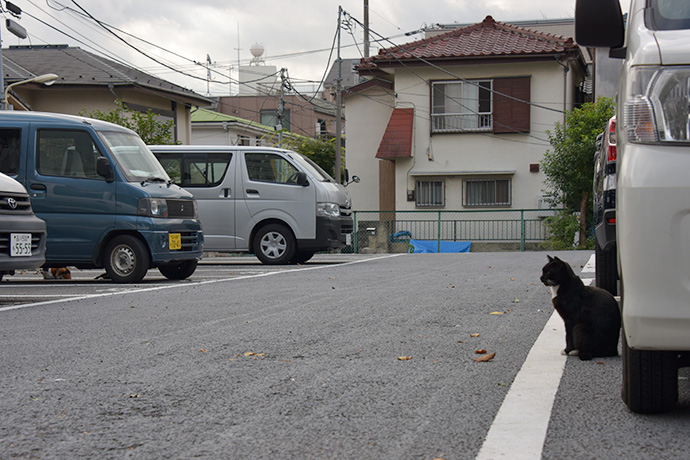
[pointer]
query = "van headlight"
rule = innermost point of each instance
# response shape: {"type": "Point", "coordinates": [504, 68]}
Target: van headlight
{"type": "Point", "coordinates": [656, 107]}
{"type": "Point", "coordinates": [152, 207]}
{"type": "Point", "coordinates": [328, 209]}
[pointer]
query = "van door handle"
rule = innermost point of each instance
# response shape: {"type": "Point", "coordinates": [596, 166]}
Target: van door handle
{"type": "Point", "coordinates": [38, 190]}
{"type": "Point", "coordinates": [252, 191]}
{"type": "Point", "coordinates": [225, 193]}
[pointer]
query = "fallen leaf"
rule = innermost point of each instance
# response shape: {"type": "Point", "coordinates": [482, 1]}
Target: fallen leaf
{"type": "Point", "coordinates": [480, 352]}
{"type": "Point", "coordinates": [461, 341]}
{"type": "Point", "coordinates": [600, 362]}
{"type": "Point", "coordinates": [203, 350]}
{"type": "Point", "coordinates": [497, 313]}
{"type": "Point", "coordinates": [516, 300]}
{"type": "Point", "coordinates": [485, 358]}
{"type": "Point", "coordinates": [249, 353]}
{"type": "Point", "coordinates": [474, 335]}
{"type": "Point", "coordinates": [404, 358]}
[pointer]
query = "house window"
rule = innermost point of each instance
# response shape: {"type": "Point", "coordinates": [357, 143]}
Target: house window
{"type": "Point", "coordinates": [430, 193]}
{"type": "Point", "coordinates": [487, 192]}
{"type": "Point", "coordinates": [498, 105]}
{"type": "Point", "coordinates": [243, 140]}
{"type": "Point", "coordinates": [270, 118]}
{"type": "Point", "coordinates": [461, 106]}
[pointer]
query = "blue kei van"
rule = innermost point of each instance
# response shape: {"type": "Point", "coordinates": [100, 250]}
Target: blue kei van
{"type": "Point", "coordinates": [106, 200]}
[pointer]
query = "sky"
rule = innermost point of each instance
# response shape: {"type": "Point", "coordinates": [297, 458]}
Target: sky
{"type": "Point", "coordinates": [173, 39]}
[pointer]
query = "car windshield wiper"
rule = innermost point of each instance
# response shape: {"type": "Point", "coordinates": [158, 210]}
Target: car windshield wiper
{"type": "Point", "coordinates": [154, 179]}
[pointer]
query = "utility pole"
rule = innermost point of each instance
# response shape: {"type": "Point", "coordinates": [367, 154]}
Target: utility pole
{"type": "Point", "coordinates": [17, 30]}
{"type": "Point", "coordinates": [281, 107]}
{"type": "Point", "coordinates": [338, 106]}
{"type": "Point", "coordinates": [366, 28]}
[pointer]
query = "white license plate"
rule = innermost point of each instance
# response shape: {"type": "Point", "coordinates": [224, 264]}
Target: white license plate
{"type": "Point", "coordinates": [20, 244]}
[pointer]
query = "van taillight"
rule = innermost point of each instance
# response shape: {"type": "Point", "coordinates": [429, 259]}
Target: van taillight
{"type": "Point", "coordinates": [612, 153]}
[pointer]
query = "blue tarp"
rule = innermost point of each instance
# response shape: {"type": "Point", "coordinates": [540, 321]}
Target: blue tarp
{"type": "Point", "coordinates": [431, 246]}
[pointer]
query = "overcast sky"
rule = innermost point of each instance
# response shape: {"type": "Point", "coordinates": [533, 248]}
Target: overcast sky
{"type": "Point", "coordinates": [296, 35]}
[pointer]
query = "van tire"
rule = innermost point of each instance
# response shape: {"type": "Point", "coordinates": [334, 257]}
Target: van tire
{"type": "Point", "coordinates": [126, 259]}
{"type": "Point", "coordinates": [179, 270]}
{"type": "Point", "coordinates": [650, 380]}
{"type": "Point", "coordinates": [274, 244]}
{"type": "Point", "coordinates": [606, 268]}
{"type": "Point", "coordinates": [301, 257]}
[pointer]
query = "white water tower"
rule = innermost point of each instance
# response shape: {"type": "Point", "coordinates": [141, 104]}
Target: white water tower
{"type": "Point", "coordinates": [257, 50]}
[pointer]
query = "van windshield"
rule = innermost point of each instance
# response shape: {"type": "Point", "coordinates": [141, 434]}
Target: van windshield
{"type": "Point", "coordinates": [314, 169]}
{"type": "Point", "coordinates": [670, 14]}
{"type": "Point", "coordinates": [135, 160]}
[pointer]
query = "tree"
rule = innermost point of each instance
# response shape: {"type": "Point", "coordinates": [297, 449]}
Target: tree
{"type": "Point", "coordinates": [569, 166]}
{"type": "Point", "coordinates": [320, 150]}
{"type": "Point", "coordinates": [151, 130]}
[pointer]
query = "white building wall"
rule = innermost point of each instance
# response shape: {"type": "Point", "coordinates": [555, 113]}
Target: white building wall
{"type": "Point", "coordinates": [478, 152]}
{"type": "Point", "coordinates": [368, 113]}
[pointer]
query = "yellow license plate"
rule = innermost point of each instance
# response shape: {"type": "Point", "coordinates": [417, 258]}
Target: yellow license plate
{"type": "Point", "coordinates": [174, 241]}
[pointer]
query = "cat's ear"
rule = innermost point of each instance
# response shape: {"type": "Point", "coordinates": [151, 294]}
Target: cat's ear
{"type": "Point", "coordinates": [549, 257]}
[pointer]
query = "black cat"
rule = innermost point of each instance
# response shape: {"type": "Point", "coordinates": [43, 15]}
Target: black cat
{"type": "Point", "coordinates": [591, 315]}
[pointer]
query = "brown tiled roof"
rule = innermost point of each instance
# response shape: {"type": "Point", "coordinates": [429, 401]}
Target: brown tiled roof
{"type": "Point", "coordinates": [487, 39]}
{"type": "Point", "coordinates": [397, 140]}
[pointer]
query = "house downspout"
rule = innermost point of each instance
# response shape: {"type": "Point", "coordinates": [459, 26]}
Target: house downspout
{"type": "Point", "coordinates": [566, 68]}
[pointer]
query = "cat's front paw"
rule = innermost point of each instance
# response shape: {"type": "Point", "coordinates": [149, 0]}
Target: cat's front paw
{"type": "Point", "coordinates": [567, 352]}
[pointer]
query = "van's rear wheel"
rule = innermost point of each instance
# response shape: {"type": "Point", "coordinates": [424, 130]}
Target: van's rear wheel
{"type": "Point", "coordinates": [182, 269]}
{"type": "Point", "coordinates": [274, 244]}
{"type": "Point", "coordinates": [126, 259]}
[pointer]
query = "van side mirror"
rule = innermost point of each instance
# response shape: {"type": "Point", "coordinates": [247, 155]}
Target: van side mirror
{"type": "Point", "coordinates": [599, 23]}
{"type": "Point", "coordinates": [104, 169]}
{"type": "Point", "coordinates": [302, 179]}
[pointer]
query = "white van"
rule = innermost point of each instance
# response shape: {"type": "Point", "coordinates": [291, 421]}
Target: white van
{"type": "Point", "coordinates": [274, 203]}
{"type": "Point", "coordinates": [653, 188]}
{"type": "Point", "coordinates": [22, 234]}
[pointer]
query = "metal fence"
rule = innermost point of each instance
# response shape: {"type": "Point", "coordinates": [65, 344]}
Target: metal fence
{"type": "Point", "coordinates": [391, 231]}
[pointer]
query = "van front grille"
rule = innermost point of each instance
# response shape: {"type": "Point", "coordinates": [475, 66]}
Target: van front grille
{"type": "Point", "coordinates": [181, 208]}
{"type": "Point", "coordinates": [15, 203]}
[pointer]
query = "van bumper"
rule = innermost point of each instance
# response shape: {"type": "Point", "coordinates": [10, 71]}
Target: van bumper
{"type": "Point", "coordinates": [158, 241]}
{"type": "Point", "coordinates": [24, 224]}
{"type": "Point", "coordinates": [330, 234]}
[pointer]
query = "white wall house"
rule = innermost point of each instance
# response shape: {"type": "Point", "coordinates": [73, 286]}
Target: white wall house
{"type": "Point", "coordinates": [458, 121]}
{"type": "Point", "coordinates": [213, 128]}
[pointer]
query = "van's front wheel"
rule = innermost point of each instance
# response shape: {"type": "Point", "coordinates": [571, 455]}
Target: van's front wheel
{"type": "Point", "coordinates": [126, 259]}
{"type": "Point", "coordinates": [179, 270]}
{"type": "Point", "coordinates": [274, 244]}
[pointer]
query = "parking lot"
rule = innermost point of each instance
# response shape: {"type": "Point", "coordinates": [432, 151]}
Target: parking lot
{"type": "Point", "coordinates": [31, 287]}
{"type": "Point", "coordinates": [356, 357]}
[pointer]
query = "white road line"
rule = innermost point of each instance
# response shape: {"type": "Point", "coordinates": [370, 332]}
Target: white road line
{"type": "Point", "coordinates": [519, 429]}
{"type": "Point", "coordinates": [187, 285]}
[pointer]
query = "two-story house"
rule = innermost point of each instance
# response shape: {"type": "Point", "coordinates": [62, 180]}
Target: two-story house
{"type": "Point", "coordinates": [458, 121]}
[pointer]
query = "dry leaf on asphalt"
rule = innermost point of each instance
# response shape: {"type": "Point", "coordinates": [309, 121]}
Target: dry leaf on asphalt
{"type": "Point", "coordinates": [404, 358]}
{"type": "Point", "coordinates": [474, 335]}
{"type": "Point", "coordinates": [486, 358]}
{"type": "Point", "coordinates": [480, 352]}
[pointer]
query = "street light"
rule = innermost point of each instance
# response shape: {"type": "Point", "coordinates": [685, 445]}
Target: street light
{"type": "Point", "coordinates": [47, 79]}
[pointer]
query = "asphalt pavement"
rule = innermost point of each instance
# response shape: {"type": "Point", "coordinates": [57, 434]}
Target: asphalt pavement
{"type": "Point", "coordinates": [366, 357]}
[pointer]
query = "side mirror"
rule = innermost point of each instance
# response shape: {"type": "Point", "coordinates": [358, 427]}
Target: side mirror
{"type": "Point", "coordinates": [302, 179]}
{"type": "Point", "coordinates": [599, 23]}
{"type": "Point", "coordinates": [355, 179]}
{"type": "Point", "coordinates": [104, 169]}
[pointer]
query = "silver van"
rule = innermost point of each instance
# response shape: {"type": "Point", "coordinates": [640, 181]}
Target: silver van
{"type": "Point", "coordinates": [652, 188]}
{"type": "Point", "coordinates": [274, 203]}
{"type": "Point", "coordinates": [22, 234]}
